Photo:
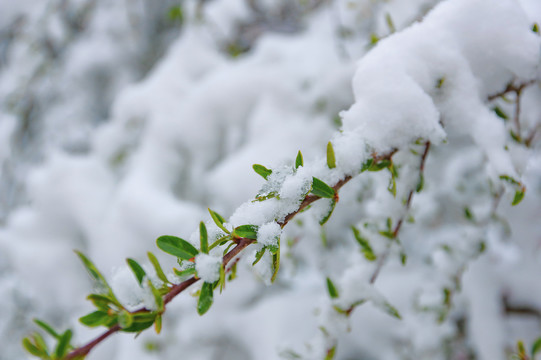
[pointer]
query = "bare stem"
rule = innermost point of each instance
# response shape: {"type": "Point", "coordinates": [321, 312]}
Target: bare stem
{"type": "Point", "coordinates": [383, 258]}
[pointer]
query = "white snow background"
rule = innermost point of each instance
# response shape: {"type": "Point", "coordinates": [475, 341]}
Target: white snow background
{"type": "Point", "coordinates": [118, 125]}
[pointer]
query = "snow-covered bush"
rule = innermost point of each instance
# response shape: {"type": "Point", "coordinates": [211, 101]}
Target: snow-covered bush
{"type": "Point", "coordinates": [399, 220]}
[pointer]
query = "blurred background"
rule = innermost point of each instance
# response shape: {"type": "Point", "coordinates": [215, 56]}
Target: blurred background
{"type": "Point", "coordinates": [123, 120]}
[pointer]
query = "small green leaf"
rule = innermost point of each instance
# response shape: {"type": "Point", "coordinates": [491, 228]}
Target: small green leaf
{"type": "Point", "coordinates": [391, 310]}
{"type": "Point", "coordinates": [331, 160]}
{"type": "Point", "coordinates": [365, 245]}
{"type": "Point", "coordinates": [63, 344]}
{"type": "Point", "coordinates": [203, 238]}
{"type": "Point", "coordinates": [102, 302]}
{"type": "Point", "coordinates": [185, 272]}
{"type": "Point", "coordinates": [219, 220]}
{"type": "Point", "coordinates": [48, 328]}
{"type": "Point", "coordinates": [509, 179]}
{"type": "Point", "coordinates": [246, 231]}
{"type": "Point", "coordinates": [329, 212]}
{"type": "Point", "coordinates": [390, 23]}
{"type": "Point", "coordinates": [205, 298]}
{"type": "Point", "coordinates": [157, 297]}
{"type": "Point", "coordinates": [158, 324]}
{"type": "Point", "coordinates": [259, 255]}
{"type": "Point", "coordinates": [157, 267]}
{"type": "Point", "coordinates": [93, 271]}
{"type": "Point", "coordinates": [468, 214]}
{"type": "Point", "coordinates": [125, 319]}
{"type": "Point", "coordinates": [319, 188]}
{"type": "Point", "coordinates": [96, 318]}
{"type": "Point", "coordinates": [33, 349]}
{"type": "Point", "coordinates": [176, 246]}
{"type": "Point", "coordinates": [392, 186]}
{"type": "Point", "coordinates": [440, 82]}
{"type": "Point", "coordinates": [175, 13]}
{"type": "Point", "coordinates": [141, 321]}
{"type": "Point", "coordinates": [373, 39]}
{"type": "Point", "coordinates": [333, 293]}
{"type": "Point", "coordinates": [330, 353]}
{"type": "Point", "coordinates": [275, 262]}
{"type": "Point", "coordinates": [299, 161]}
{"type": "Point", "coordinates": [535, 28]}
{"type": "Point", "coordinates": [221, 281]}
{"type": "Point", "coordinates": [261, 170]}
{"type": "Point", "coordinates": [367, 165]}
{"type": "Point", "coordinates": [515, 136]}
{"type": "Point", "coordinates": [137, 270]}
{"type": "Point", "coordinates": [500, 113]}
{"type": "Point", "coordinates": [519, 195]}
{"type": "Point", "coordinates": [421, 183]}
{"type": "Point", "coordinates": [536, 347]}
{"type": "Point", "coordinates": [403, 258]}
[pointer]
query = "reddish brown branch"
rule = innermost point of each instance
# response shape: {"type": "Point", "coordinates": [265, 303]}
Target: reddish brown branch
{"type": "Point", "coordinates": [241, 244]}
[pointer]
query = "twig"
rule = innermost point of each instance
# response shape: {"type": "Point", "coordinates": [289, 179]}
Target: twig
{"type": "Point", "coordinates": [396, 230]}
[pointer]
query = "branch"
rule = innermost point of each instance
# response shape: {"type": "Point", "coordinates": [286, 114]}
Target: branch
{"type": "Point", "coordinates": [242, 243]}
{"type": "Point", "coordinates": [383, 257]}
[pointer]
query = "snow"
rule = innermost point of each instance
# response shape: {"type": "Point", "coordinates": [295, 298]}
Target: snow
{"type": "Point", "coordinates": [208, 267]}
{"type": "Point", "coordinates": [269, 234]}
{"type": "Point", "coordinates": [139, 125]}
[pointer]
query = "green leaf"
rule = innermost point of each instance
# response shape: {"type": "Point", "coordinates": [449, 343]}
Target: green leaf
{"type": "Point", "coordinates": [391, 310]}
{"type": "Point", "coordinates": [96, 318]}
{"type": "Point", "coordinates": [203, 238]}
{"type": "Point", "coordinates": [137, 270]}
{"type": "Point", "coordinates": [519, 195]}
{"type": "Point", "coordinates": [158, 324]}
{"type": "Point", "coordinates": [440, 82]}
{"type": "Point", "coordinates": [185, 272]}
{"type": "Point", "coordinates": [331, 160]}
{"type": "Point", "coordinates": [175, 13]}
{"type": "Point", "coordinates": [102, 302]}
{"type": "Point", "coordinates": [330, 353]}
{"type": "Point", "coordinates": [333, 293]}
{"type": "Point", "coordinates": [63, 344]}
{"type": "Point", "coordinates": [390, 23]}
{"type": "Point", "coordinates": [33, 349]}
{"type": "Point", "coordinates": [205, 298]}
{"type": "Point", "coordinates": [93, 271]}
{"type": "Point", "coordinates": [157, 297]}
{"type": "Point", "coordinates": [392, 186]}
{"type": "Point", "coordinates": [468, 214]}
{"type": "Point", "coordinates": [125, 319]}
{"type": "Point", "coordinates": [536, 347]}
{"type": "Point", "coordinates": [261, 170]}
{"type": "Point", "coordinates": [510, 180]}
{"type": "Point", "coordinates": [535, 28]}
{"type": "Point", "coordinates": [219, 220]}
{"type": "Point", "coordinates": [246, 231]}
{"type": "Point", "coordinates": [367, 165]}
{"type": "Point", "coordinates": [259, 255]}
{"type": "Point", "coordinates": [365, 245]}
{"type": "Point", "coordinates": [141, 321]}
{"type": "Point", "coordinates": [157, 267]}
{"type": "Point", "coordinates": [329, 212]}
{"type": "Point", "coordinates": [500, 113]}
{"type": "Point", "coordinates": [421, 183]}
{"type": "Point", "coordinates": [176, 246]}
{"type": "Point", "coordinates": [319, 188]}
{"type": "Point", "coordinates": [48, 328]}
{"type": "Point", "coordinates": [299, 161]}
{"type": "Point", "coordinates": [275, 262]}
